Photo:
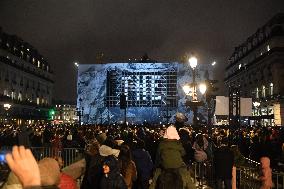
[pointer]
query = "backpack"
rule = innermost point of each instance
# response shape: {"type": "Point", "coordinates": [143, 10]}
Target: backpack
{"type": "Point", "coordinates": [200, 155]}
{"type": "Point", "coordinates": [169, 179]}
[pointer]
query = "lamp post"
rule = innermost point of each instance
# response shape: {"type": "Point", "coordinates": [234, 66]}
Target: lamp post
{"type": "Point", "coordinates": [6, 108]}
{"type": "Point", "coordinates": [80, 111]}
{"type": "Point", "coordinates": [191, 90]}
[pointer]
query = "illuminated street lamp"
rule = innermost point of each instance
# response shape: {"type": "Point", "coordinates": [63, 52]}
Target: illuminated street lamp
{"type": "Point", "coordinates": [6, 108]}
{"type": "Point", "coordinates": [190, 90]}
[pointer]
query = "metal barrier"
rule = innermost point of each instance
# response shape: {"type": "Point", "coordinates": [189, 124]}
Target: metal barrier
{"type": "Point", "coordinates": [68, 155]}
{"type": "Point", "coordinates": [203, 173]}
{"type": "Point", "coordinates": [278, 180]}
{"type": "Point", "coordinates": [247, 177]}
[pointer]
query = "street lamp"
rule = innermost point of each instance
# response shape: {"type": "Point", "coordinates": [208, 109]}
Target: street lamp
{"type": "Point", "coordinates": [80, 112]}
{"type": "Point", "coordinates": [191, 90]}
{"type": "Point", "coordinates": [6, 108]}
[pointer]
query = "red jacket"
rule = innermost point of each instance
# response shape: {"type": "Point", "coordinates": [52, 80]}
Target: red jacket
{"type": "Point", "coordinates": [67, 182]}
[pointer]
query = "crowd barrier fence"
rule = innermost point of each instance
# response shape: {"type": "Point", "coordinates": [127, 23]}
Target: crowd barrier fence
{"type": "Point", "coordinates": [68, 155]}
{"type": "Point", "coordinates": [247, 177]}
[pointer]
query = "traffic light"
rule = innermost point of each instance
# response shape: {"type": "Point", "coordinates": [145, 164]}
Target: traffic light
{"type": "Point", "coordinates": [123, 103]}
{"type": "Point", "coordinates": [51, 113]}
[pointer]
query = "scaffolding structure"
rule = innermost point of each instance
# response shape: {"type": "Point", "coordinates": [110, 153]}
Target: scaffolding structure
{"type": "Point", "coordinates": [142, 89]}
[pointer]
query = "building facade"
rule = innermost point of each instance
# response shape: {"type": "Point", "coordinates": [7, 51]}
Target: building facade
{"type": "Point", "coordinates": [26, 81]}
{"type": "Point", "coordinates": [256, 69]}
{"type": "Point", "coordinates": [153, 92]}
{"type": "Point", "coordinates": [65, 113]}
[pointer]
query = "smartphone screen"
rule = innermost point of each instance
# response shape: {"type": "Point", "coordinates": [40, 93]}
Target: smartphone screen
{"type": "Point", "coordinates": [2, 158]}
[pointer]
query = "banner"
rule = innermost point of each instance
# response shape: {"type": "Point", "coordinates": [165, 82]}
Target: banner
{"type": "Point", "coordinates": [246, 107]}
{"type": "Point", "coordinates": [222, 105]}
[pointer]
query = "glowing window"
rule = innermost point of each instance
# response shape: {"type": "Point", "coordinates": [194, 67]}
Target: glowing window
{"type": "Point", "coordinates": [271, 89]}
{"type": "Point", "coordinates": [263, 91]}
{"type": "Point", "coordinates": [240, 65]}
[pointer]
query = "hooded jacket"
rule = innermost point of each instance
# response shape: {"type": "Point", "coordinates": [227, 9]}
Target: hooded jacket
{"type": "Point", "coordinates": [170, 150]}
{"type": "Point", "coordinates": [112, 180]}
{"type": "Point", "coordinates": [143, 163]}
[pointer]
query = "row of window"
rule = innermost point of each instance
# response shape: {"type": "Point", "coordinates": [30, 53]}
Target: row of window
{"type": "Point", "coordinates": [258, 111]}
{"type": "Point", "coordinates": [65, 117]}
{"type": "Point", "coordinates": [23, 82]}
{"type": "Point", "coordinates": [248, 60]}
{"type": "Point", "coordinates": [23, 51]}
{"type": "Point", "coordinates": [264, 91]}
{"type": "Point", "coordinates": [255, 40]}
{"type": "Point", "coordinates": [27, 97]}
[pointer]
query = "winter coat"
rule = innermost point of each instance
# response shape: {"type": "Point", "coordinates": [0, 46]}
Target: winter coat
{"type": "Point", "coordinates": [93, 173]}
{"type": "Point", "coordinates": [130, 174]}
{"type": "Point", "coordinates": [67, 182]}
{"type": "Point", "coordinates": [223, 162]}
{"type": "Point", "coordinates": [266, 177]}
{"type": "Point", "coordinates": [200, 154]}
{"type": "Point", "coordinates": [112, 180]}
{"type": "Point", "coordinates": [169, 154]}
{"type": "Point", "coordinates": [187, 182]}
{"type": "Point", "coordinates": [144, 164]}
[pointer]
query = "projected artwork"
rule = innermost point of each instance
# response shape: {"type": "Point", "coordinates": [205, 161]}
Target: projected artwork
{"type": "Point", "coordinates": [153, 91]}
{"type": "Point", "coordinates": [142, 89]}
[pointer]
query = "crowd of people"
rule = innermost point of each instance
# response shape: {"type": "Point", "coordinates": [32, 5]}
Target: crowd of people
{"type": "Point", "coordinates": [142, 157]}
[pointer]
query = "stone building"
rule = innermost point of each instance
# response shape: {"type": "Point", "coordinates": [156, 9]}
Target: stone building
{"type": "Point", "coordinates": [256, 68]}
{"type": "Point", "coordinates": [65, 113]}
{"type": "Point", "coordinates": [26, 81]}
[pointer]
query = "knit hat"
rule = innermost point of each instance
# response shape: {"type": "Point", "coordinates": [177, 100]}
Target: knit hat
{"type": "Point", "coordinates": [171, 133]}
{"type": "Point", "coordinates": [49, 172]}
{"type": "Point", "coordinates": [107, 151]}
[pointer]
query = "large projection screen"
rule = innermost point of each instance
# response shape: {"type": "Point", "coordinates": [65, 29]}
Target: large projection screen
{"type": "Point", "coordinates": [153, 92]}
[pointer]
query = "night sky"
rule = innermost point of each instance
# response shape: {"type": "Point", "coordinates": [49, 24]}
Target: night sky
{"type": "Point", "coordinates": [65, 31]}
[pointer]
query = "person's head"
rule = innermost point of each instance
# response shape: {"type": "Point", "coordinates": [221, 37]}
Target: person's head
{"type": "Point", "coordinates": [110, 165]}
{"type": "Point", "coordinates": [140, 144]}
{"type": "Point", "coordinates": [125, 153]}
{"type": "Point", "coordinates": [49, 172]}
{"type": "Point", "coordinates": [199, 139]}
{"type": "Point", "coordinates": [171, 133]}
{"type": "Point", "coordinates": [93, 148]}
{"type": "Point", "coordinates": [265, 162]}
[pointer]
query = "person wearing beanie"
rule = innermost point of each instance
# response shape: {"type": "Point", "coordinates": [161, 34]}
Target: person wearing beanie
{"type": "Point", "coordinates": [112, 178]}
{"type": "Point", "coordinates": [48, 177]}
{"type": "Point", "coordinates": [170, 150]}
{"type": "Point", "coordinates": [169, 161]}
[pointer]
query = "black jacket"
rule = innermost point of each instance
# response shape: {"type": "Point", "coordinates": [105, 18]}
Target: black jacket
{"type": "Point", "coordinates": [113, 180]}
{"type": "Point", "coordinates": [223, 162]}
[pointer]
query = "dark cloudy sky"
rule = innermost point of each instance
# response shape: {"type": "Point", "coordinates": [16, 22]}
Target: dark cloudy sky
{"type": "Point", "coordinates": [65, 31]}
